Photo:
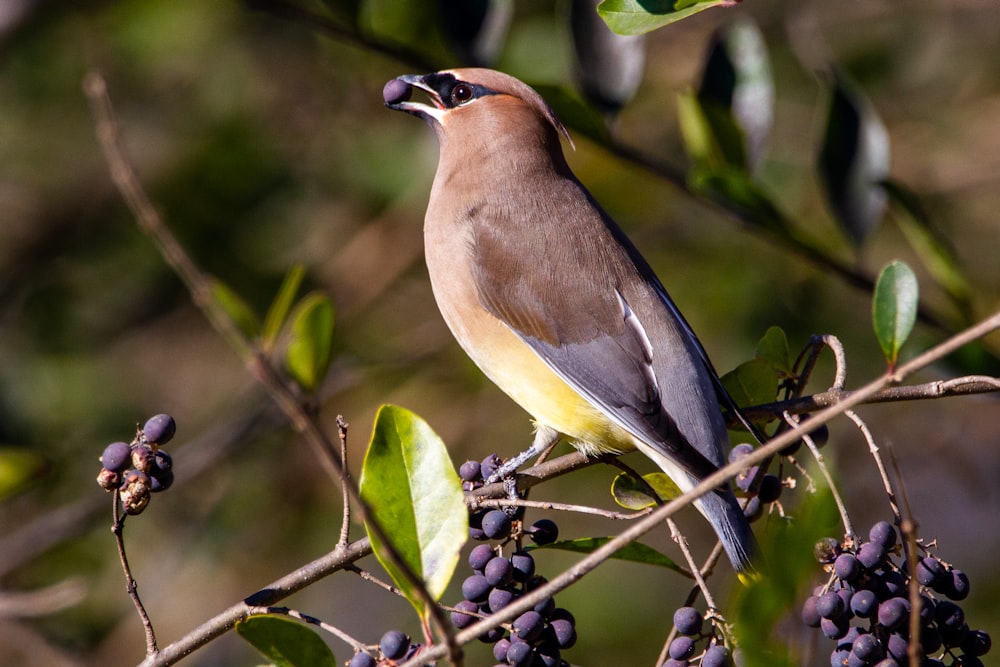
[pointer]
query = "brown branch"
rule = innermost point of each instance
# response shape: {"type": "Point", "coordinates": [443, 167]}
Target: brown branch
{"type": "Point", "coordinates": [131, 587]}
{"type": "Point", "coordinates": [961, 386]}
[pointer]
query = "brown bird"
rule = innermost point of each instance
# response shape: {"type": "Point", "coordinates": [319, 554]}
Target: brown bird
{"type": "Point", "coordinates": [552, 301]}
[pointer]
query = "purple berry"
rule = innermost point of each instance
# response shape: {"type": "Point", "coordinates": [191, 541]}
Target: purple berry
{"type": "Point", "coordinates": [688, 621]}
{"type": "Point", "coordinates": [499, 571]}
{"type": "Point", "coordinates": [496, 525]}
{"type": "Point", "coordinates": [463, 616]}
{"type": "Point", "coordinates": [117, 456]}
{"type": "Point", "coordinates": [681, 648]}
{"type": "Point", "coordinates": [394, 644]}
{"type": "Point", "coordinates": [396, 91]}
{"type": "Point", "coordinates": [470, 471]}
{"type": "Point", "coordinates": [544, 531]}
{"type": "Point", "coordinates": [159, 429]}
{"type": "Point", "coordinates": [480, 555]}
{"type": "Point", "coordinates": [475, 588]}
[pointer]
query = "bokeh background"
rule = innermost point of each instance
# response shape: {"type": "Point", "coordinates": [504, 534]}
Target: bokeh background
{"type": "Point", "coordinates": [264, 143]}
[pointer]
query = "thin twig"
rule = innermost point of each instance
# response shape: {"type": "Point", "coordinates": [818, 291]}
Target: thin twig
{"type": "Point", "coordinates": [372, 579]}
{"type": "Point", "coordinates": [682, 543]}
{"type": "Point", "coordinates": [830, 484]}
{"type": "Point", "coordinates": [345, 526]}
{"type": "Point", "coordinates": [131, 587]}
{"type": "Point", "coordinates": [312, 620]}
{"type": "Point", "coordinates": [874, 451]}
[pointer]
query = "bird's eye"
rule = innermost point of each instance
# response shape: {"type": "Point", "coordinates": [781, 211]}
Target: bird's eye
{"type": "Point", "coordinates": [462, 93]}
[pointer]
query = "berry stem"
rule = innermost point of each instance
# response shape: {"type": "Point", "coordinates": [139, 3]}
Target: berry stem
{"type": "Point", "coordinates": [841, 507]}
{"type": "Point", "coordinates": [678, 537]}
{"type": "Point", "coordinates": [874, 451]}
{"type": "Point", "coordinates": [345, 526]}
{"type": "Point", "coordinates": [131, 587]}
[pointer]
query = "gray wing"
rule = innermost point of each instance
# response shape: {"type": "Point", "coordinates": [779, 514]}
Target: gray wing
{"type": "Point", "coordinates": [579, 320]}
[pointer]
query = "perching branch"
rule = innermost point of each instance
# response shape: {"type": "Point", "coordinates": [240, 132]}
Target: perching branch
{"type": "Point", "coordinates": [961, 386]}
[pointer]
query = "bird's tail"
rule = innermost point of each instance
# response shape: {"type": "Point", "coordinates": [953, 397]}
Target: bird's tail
{"type": "Point", "coordinates": [726, 517]}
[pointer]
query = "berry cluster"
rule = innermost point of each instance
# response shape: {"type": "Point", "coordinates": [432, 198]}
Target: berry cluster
{"type": "Point", "coordinates": [394, 647]}
{"type": "Point", "coordinates": [137, 469]}
{"type": "Point", "coordinates": [537, 637]}
{"type": "Point", "coordinates": [684, 649]}
{"type": "Point", "coordinates": [866, 606]}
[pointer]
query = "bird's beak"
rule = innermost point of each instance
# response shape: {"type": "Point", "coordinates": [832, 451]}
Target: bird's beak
{"type": "Point", "coordinates": [397, 97]}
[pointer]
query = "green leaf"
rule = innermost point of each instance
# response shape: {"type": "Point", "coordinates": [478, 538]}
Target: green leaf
{"type": "Point", "coordinates": [311, 341]}
{"type": "Point", "coordinates": [632, 495]}
{"type": "Point", "coordinates": [278, 312]}
{"type": "Point", "coordinates": [894, 308]}
{"type": "Point", "coordinates": [737, 90]}
{"type": "Point", "coordinates": [18, 468]}
{"type": "Point", "coordinates": [636, 552]}
{"type": "Point", "coordinates": [236, 309]}
{"type": "Point", "coordinates": [752, 383]}
{"type": "Point", "coordinates": [635, 17]}
{"type": "Point", "coordinates": [854, 161]}
{"type": "Point", "coordinates": [933, 247]}
{"type": "Point", "coordinates": [773, 348]}
{"type": "Point", "coordinates": [788, 571]}
{"type": "Point", "coordinates": [413, 491]}
{"type": "Point", "coordinates": [286, 643]}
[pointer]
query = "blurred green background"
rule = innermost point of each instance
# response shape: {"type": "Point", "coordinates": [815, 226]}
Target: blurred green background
{"type": "Point", "coordinates": [265, 144]}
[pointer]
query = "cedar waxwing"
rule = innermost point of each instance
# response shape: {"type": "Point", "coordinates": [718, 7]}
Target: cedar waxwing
{"type": "Point", "coordinates": [551, 300]}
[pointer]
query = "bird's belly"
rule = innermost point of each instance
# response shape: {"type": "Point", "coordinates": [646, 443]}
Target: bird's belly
{"type": "Point", "coordinates": [521, 374]}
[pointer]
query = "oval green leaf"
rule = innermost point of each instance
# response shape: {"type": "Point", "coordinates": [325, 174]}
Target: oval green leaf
{"type": "Point", "coordinates": [635, 17]}
{"type": "Point", "coordinates": [311, 341]}
{"type": "Point", "coordinates": [753, 382]}
{"type": "Point", "coordinates": [632, 495]}
{"type": "Point", "coordinates": [274, 321]}
{"type": "Point", "coordinates": [894, 308]}
{"type": "Point", "coordinates": [413, 491]}
{"type": "Point", "coordinates": [286, 643]}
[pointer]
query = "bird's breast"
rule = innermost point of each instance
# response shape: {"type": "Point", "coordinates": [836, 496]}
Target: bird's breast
{"type": "Point", "coordinates": [506, 359]}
